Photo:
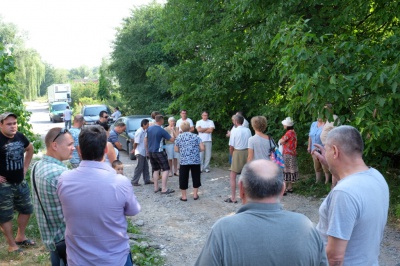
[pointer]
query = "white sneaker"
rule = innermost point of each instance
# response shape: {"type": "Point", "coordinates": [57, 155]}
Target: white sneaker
{"type": "Point", "coordinates": [207, 170]}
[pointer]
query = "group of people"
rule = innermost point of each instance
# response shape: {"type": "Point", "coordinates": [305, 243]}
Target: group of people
{"type": "Point", "coordinates": [95, 233]}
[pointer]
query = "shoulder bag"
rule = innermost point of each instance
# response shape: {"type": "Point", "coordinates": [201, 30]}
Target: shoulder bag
{"type": "Point", "coordinates": [275, 154]}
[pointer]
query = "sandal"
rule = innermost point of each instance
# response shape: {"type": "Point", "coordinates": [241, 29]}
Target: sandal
{"type": "Point", "coordinates": [197, 197]}
{"type": "Point", "coordinates": [168, 191]}
{"type": "Point", "coordinates": [17, 251]}
{"type": "Point", "coordinates": [229, 200]}
{"type": "Point", "coordinates": [158, 190]}
{"type": "Point", "coordinates": [26, 243]}
{"type": "Point", "coordinates": [176, 174]}
{"type": "Point", "coordinates": [183, 199]}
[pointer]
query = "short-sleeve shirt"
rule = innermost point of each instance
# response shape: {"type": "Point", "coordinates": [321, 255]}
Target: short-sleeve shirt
{"type": "Point", "coordinates": [113, 137]}
{"type": "Point", "coordinates": [260, 146]}
{"type": "Point", "coordinates": [155, 134]}
{"type": "Point", "coordinates": [75, 135]}
{"type": "Point", "coordinates": [189, 149]}
{"type": "Point", "coordinates": [116, 114]}
{"type": "Point", "coordinates": [239, 138]}
{"type": "Point", "coordinates": [140, 134]}
{"type": "Point", "coordinates": [205, 124]}
{"type": "Point", "coordinates": [67, 114]}
{"type": "Point", "coordinates": [315, 135]}
{"type": "Point", "coordinates": [289, 142]}
{"type": "Point", "coordinates": [178, 123]}
{"type": "Point", "coordinates": [12, 157]}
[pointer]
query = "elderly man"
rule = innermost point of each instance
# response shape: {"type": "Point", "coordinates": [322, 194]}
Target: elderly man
{"type": "Point", "coordinates": [14, 190]}
{"type": "Point", "coordinates": [354, 214]}
{"type": "Point", "coordinates": [44, 179]}
{"type": "Point", "coordinates": [261, 232]}
{"type": "Point", "coordinates": [238, 141]}
{"type": "Point", "coordinates": [95, 200]}
{"type": "Point", "coordinates": [74, 131]}
{"type": "Point", "coordinates": [205, 127]}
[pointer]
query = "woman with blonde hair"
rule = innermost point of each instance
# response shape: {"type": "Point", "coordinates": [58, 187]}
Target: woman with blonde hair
{"type": "Point", "coordinates": [169, 146]}
{"type": "Point", "coordinates": [259, 145]}
{"type": "Point", "coordinates": [289, 143]}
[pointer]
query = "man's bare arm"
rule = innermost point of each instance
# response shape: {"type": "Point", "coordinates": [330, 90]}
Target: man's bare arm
{"type": "Point", "coordinates": [28, 157]}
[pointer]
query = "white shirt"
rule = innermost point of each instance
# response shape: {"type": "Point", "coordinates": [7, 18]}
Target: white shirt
{"type": "Point", "coordinates": [239, 138]}
{"type": "Point", "coordinates": [178, 123]}
{"type": "Point", "coordinates": [205, 124]}
{"type": "Point", "coordinates": [140, 134]}
{"type": "Point", "coordinates": [116, 114]}
{"type": "Point", "coordinates": [67, 115]}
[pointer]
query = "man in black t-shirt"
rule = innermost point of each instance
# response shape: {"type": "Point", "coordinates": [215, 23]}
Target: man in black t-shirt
{"type": "Point", "coordinates": [14, 191]}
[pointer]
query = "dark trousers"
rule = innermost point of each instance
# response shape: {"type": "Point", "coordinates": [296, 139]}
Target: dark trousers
{"type": "Point", "coordinates": [184, 170]}
{"type": "Point", "coordinates": [141, 167]}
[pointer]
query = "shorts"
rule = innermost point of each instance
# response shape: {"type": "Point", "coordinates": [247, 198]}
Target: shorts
{"type": "Point", "coordinates": [169, 148]}
{"type": "Point", "coordinates": [159, 161]}
{"type": "Point", "coordinates": [239, 159]}
{"type": "Point", "coordinates": [14, 197]}
{"type": "Point", "coordinates": [318, 167]}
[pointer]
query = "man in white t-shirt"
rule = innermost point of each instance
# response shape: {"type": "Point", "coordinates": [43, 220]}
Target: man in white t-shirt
{"type": "Point", "coordinates": [205, 127]}
{"type": "Point", "coordinates": [354, 214]}
{"type": "Point", "coordinates": [185, 118]}
{"type": "Point", "coordinates": [67, 117]}
{"type": "Point", "coordinates": [139, 150]}
{"type": "Point", "coordinates": [116, 114]}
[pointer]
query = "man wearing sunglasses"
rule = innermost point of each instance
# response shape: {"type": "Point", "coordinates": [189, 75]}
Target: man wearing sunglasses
{"type": "Point", "coordinates": [59, 147]}
{"type": "Point", "coordinates": [14, 191]}
{"type": "Point", "coordinates": [103, 117]}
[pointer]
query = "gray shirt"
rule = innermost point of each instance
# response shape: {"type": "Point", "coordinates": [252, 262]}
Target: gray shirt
{"type": "Point", "coordinates": [260, 146]}
{"type": "Point", "coordinates": [263, 234]}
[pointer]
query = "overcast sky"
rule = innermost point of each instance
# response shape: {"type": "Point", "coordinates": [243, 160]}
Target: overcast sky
{"type": "Point", "coordinates": [69, 33]}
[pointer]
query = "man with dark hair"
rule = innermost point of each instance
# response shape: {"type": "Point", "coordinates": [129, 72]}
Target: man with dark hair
{"type": "Point", "coordinates": [67, 117]}
{"type": "Point", "coordinates": [139, 150]}
{"type": "Point", "coordinates": [119, 127]}
{"type": "Point", "coordinates": [261, 232]}
{"type": "Point", "coordinates": [238, 141]}
{"type": "Point", "coordinates": [74, 131]}
{"type": "Point", "coordinates": [158, 159]}
{"type": "Point", "coordinates": [44, 176]}
{"type": "Point", "coordinates": [95, 200]}
{"type": "Point", "coordinates": [103, 117]}
{"type": "Point", "coordinates": [185, 118]}
{"type": "Point", "coordinates": [116, 114]}
{"type": "Point", "coordinates": [205, 127]}
{"type": "Point", "coordinates": [354, 214]}
{"type": "Point", "coordinates": [14, 191]}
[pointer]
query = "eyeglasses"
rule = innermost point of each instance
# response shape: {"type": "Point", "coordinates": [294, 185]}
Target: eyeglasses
{"type": "Point", "coordinates": [105, 116]}
{"type": "Point", "coordinates": [62, 131]}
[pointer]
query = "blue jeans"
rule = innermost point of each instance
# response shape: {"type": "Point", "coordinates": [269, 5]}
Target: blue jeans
{"type": "Point", "coordinates": [129, 260]}
{"type": "Point", "coordinates": [67, 124]}
{"type": "Point", "coordinates": [55, 259]}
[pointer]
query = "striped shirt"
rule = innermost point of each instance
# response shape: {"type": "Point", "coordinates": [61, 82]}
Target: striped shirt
{"type": "Point", "coordinates": [47, 172]}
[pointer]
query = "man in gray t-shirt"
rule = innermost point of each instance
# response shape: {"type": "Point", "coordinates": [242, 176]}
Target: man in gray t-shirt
{"type": "Point", "coordinates": [261, 232]}
{"type": "Point", "coordinates": [354, 215]}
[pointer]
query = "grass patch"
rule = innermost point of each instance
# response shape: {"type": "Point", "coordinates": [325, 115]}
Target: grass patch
{"type": "Point", "coordinates": [142, 253]}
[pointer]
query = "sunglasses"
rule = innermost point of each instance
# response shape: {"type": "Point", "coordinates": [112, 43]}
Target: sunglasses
{"type": "Point", "coordinates": [105, 116]}
{"type": "Point", "coordinates": [62, 131]}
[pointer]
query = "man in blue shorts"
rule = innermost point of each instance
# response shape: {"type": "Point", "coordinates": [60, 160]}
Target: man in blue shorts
{"type": "Point", "coordinates": [158, 158]}
{"type": "Point", "coordinates": [14, 191]}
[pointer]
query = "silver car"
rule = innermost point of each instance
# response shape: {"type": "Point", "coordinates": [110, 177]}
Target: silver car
{"type": "Point", "coordinates": [127, 137]}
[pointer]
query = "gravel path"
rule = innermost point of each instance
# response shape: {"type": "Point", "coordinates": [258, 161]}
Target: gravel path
{"type": "Point", "coordinates": [181, 228]}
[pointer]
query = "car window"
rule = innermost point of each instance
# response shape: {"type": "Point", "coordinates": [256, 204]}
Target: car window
{"type": "Point", "coordinates": [93, 110]}
{"type": "Point", "coordinates": [134, 124]}
{"type": "Point", "coordinates": [59, 107]}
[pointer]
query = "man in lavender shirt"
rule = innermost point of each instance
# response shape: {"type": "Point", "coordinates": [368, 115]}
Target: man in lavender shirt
{"type": "Point", "coordinates": [95, 200]}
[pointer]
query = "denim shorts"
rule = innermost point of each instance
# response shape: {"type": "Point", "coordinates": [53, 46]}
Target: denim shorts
{"type": "Point", "coordinates": [14, 197]}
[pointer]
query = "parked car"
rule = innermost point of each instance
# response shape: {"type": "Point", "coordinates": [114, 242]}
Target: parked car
{"type": "Point", "coordinates": [127, 137]}
{"type": "Point", "coordinates": [91, 113]}
{"type": "Point", "coordinates": [56, 111]}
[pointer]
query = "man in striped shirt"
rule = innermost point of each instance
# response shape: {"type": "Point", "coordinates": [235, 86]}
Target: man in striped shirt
{"type": "Point", "coordinates": [45, 174]}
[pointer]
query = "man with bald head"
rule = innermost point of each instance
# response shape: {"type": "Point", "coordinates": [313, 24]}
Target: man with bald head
{"type": "Point", "coordinates": [354, 214]}
{"type": "Point", "coordinates": [261, 232]}
{"type": "Point", "coordinates": [44, 178]}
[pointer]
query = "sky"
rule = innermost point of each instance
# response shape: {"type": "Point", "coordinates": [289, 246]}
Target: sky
{"type": "Point", "coordinates": [69, 33]}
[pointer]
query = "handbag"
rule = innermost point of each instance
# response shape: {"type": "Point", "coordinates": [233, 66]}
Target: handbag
{"type": "Point", "coordinates": [275, 155]}
{"type": "Point", "coordinates": [61, 248]}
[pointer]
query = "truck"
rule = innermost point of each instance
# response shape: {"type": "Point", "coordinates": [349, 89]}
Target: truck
{"type": "Point", "coordinates": [59, 93]}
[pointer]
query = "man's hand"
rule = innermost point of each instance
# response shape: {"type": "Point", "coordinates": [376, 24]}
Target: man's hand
{"type": "Point", "coordinates": [319, 152]}
{"type": "Point", "coordinates": [3, 179]}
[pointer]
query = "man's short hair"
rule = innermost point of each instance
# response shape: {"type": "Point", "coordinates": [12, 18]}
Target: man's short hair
{"type": "Point", "coordinates": [144, 122]}
{"type": "Point", "coordinates": [117, 108]}
{"type": "Point", "coordinates": [259, 123]}
{"type": "Point", "coordinates": [67, 107]}
{"type": "Point", "coordinates": [154, 114]}
{"type": "Point", "coordinates": [347, 138]}
{"type": "Point", "coordinates": [119, 124]}
{"type": "Point", "coordinates": [185, 126]}
{"type": "Point", "coordinates": [239, 119]}
{"type": "Point", "coordinates": [262, 179]}
{"type": "Point", "coordinates": [102, 113]}
{"type": "Point", "coordinates": [52, 134]}
{"type": "Point", "coordinates": [183, 110]}
{"type": "Point", "coordinates": [158, 118]}
{"type": "Point", "coordinates": [205, 112]}
{"type": "Point", "coordinates": [78, 118]}
{"type": "Point", "coordinates": [92, 142]}
{"type": "Point", "coordinates": [116, 163]}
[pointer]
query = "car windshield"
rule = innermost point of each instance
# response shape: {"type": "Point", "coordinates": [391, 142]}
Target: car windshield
{"type": "Point", "coordinates": [59, 107]}
{"type": "Point", "coordinates": [93, 111]}
{"type": "Point", "coordinates": [134, 124]}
